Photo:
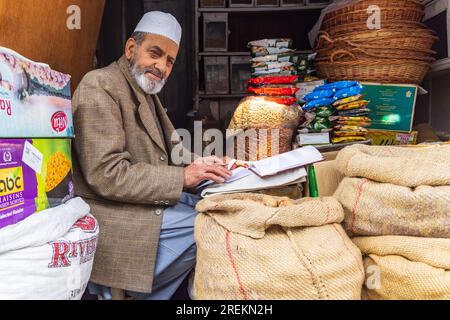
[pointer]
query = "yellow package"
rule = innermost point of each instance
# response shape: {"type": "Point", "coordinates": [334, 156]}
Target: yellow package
{"type": "Point", "coordinates": [350, 128]}
{"type": "Point", "coordinates": [350, 133]}
{"type": "Point", "coordinates": [348, 100]}
{"type": "Point", "coordinates": [353, 105]}
{"type": "Point", "coordinates": [347, 139]}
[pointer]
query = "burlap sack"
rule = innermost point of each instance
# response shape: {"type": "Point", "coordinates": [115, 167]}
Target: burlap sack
{"type": "Point", "coordinates": [410, 167]}
{"type": "Point", "coordinates": [252, 246]}
{"type": "Point", "coordinates": [406, 268]}
{"type": "Point", "coordinates": [373, 208]}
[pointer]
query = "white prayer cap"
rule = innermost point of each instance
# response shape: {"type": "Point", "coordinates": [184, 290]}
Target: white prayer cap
{"type": "Point", "coordinates": [160, 23]}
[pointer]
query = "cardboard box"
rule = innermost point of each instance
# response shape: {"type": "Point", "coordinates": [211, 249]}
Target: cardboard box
{"type": "Point", "coordinates": [35, 174]}
{"type": "Point", "coordinates": [328, 177]}
{"type": "Point", "coordinates": [35, 101]}
{"type": "Point", "coordinates": [390, 138]}
{"type": "Point", "coordinates": [392, 105]}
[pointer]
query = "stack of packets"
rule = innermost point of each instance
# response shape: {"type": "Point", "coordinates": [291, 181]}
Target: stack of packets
{"type": "Point", "coordinates": [337, 108]}
{"type": "Point", "coordinates": [276, 70]}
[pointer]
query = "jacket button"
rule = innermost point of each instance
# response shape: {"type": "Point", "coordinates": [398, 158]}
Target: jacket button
{"type": "Point", "coordinates": [166, 203]}
{"type": "Point", "coordinates": [158, 212]}
{"type": "Point", "coordinates": [162, 158]}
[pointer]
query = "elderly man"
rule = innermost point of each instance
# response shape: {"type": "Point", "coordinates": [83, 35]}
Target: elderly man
{"type": "Point", "coordinates": [124, 171]}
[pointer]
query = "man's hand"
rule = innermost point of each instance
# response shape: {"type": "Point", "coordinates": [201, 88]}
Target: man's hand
{"type": "Point", "coordinates": [210, 168]}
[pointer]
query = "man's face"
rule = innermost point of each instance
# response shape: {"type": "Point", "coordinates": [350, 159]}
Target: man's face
{"type": "Point", "coordinates": [152, 61]}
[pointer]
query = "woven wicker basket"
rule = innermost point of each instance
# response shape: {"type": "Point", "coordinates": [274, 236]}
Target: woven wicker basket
{"type": "Point", "coordinates": [346, 29]}
{"type": "Point", "coordinates": [376, 54]}
{"type": "Point", "coordinates": [416, 39]}
{"type": "Point", "coordinates": [381, 70]}
{"type": "Point", "coordinates": [364, 4]}
{"type": "Point", "coordinates": [327, 46]}
{"type": "Point", "coordinates": [388, 14]}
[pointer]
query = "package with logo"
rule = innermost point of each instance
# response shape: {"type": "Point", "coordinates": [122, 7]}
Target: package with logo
{"type": "Point", "coordinates": [385, 138]}
{"type": "Point", "coordinates": [35, 174]}
{"type": "Point", "coordinates": [35, 101]}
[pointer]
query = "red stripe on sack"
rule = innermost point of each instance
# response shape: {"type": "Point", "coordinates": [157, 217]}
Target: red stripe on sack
{"type": "Point", "coordinates": [348, 249]}
{"type": "Point", "coordinates": [233, 264]}
{"type": "Point", "coordinates": [358, 199]}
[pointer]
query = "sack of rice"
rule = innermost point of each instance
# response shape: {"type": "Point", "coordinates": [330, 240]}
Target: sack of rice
{"type": "Point", "coordinates": [405, 166]}
{"type": "Point", "coordinates": [373, 208]}
{"type": "Point", "coordinates": [406, 268]}
{"type": "Point", "coordinates": [262, 127]}
{"type": "Point", "coordinates": [253, 246]}
{"type": "Point", "coordinates": [49, 256]}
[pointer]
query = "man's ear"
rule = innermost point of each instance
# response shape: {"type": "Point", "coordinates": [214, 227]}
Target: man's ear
{"type": "Point", "coordinates": [130, 47]}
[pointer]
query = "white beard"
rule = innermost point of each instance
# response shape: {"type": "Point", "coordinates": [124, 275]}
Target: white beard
{"type": "Point", "coordinates": [149, 86]}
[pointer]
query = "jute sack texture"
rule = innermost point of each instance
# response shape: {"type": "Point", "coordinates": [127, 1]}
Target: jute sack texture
{"type": "Point", "coordinates": [395, 190]}
{"type": "Point", "coordinates": [406, 268]}
{"type": "Point", "coordinates": [409, 167]}
{"type": "Point", "coordinates": [372, 208]}
{"type": "Point", "coordinates": [253, 246]}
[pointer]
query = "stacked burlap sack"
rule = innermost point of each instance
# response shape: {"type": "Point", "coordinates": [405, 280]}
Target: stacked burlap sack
{"type": "Point", "coordinates": [397, 205]}
{"type": "Point", "coordinates": [252, 246]}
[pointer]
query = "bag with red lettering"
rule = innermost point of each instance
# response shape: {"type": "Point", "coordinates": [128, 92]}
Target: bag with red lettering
{"type": "Point", "coordinates": [49, 256]}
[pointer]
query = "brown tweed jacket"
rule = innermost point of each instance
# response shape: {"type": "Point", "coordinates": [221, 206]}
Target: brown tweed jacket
{"type": "Point", "coordinates": [123, 171]}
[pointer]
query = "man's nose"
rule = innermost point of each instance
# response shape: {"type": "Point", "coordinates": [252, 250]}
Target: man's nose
{"type": "Point", "coordinates": [161, 67]}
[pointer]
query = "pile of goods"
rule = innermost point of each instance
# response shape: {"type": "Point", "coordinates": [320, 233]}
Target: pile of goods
{"type": "Point", "coordinates": [259, 247]}
{"type": "Point", "coordinates": [397, 51]}
{"type": "Point", "coordinates": [338, 108]}
{"type": "Point", "coordinates": [36, 177]}
{"type": "Point", "coordinates": [274, 72]}
{"type": "Point", "coordinates": [396, 203]}
{"type": "Point", "coordinates": [262, 127]}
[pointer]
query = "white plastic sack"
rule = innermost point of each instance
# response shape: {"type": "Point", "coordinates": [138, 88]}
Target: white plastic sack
{"type": "Point", "coordinates": [49, 256]}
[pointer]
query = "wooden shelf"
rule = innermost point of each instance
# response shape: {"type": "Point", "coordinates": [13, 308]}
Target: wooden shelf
{"type": "Point", "coordinates": [224, 53]}
{"type": "Point", "coordinates": [263, 9]}
{"type": "Point", "coordinates": [217, 96]}
{"type": "Point", "coordinates": [243, 53]}
{"type": "Point", "coordinates": [440, 67]}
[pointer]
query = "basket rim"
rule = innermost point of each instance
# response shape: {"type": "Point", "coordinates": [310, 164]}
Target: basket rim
{"type": "Point", "coordinates": [386, 10]}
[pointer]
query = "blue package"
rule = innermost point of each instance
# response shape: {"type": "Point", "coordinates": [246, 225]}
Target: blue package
{"type": "Point", "coordinates": [318, 103]}
{"type": "Point", "coordinates": [348, 92]}
{"type": "Point", "coordinates": [319, 94]}
{"type": "Point", "coordinates": [338, 85]}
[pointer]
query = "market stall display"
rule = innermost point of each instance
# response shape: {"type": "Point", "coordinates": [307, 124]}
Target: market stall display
{"type": "Point", "coordinates": [398, 51]}
{"type": "Point", "coordinates": [48, 241]}
{"type": "Point", "coordinates": [34, 99]}
{"type": "Point", "coordinates": [50, 255]}
{"type": "Point", "coordinates": [251, 246]}
{"type": "Point", "coordinates": [339, 109]}
{"type": "Point", "coordinates": [400, 197]}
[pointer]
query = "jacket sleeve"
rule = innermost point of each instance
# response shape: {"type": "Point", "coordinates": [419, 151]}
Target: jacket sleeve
{"type": "Point", "coordinates": [104, 162]}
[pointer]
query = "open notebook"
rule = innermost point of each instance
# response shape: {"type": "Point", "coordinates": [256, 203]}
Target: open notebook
{"type": "Point", "coordinates": [279, 170]}
{"type": "Point", "coordinates": [254, 182]}
{"type": "Point", "coordinates": [274, 165]}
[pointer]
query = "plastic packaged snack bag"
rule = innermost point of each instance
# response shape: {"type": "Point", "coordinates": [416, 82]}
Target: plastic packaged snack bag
{"type": "Point", "coordinates": [272, 43]}
{"type": "Point", "coordinates": [348, 92]}
{"type": "Point", "coordinates": [318, 103]}
{"type": "Point", "coordinates": [319, 94]}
